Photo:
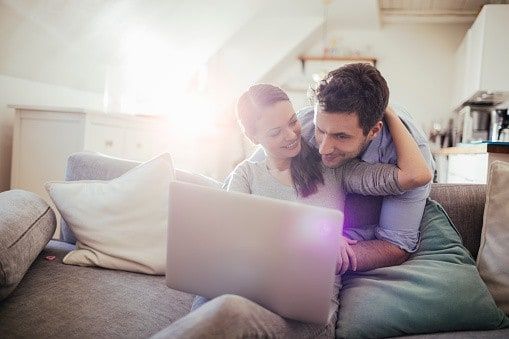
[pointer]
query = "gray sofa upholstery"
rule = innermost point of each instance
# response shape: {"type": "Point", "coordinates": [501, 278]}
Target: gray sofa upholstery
{"type": "Point", "coordinates": [59, 301]}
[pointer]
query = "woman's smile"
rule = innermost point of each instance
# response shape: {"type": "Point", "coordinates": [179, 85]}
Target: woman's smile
{"type": "Point", "coordinates": [293, 144]}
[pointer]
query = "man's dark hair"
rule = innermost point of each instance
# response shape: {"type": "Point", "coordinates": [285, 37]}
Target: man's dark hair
{"type": "Point", "coordinates": [355, 88]}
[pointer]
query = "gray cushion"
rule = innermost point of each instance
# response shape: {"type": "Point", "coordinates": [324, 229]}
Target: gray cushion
{"type": "Point", "coordinates": [63, 301]}
{"type": "Point", "coordinates": [27, 223]}
{"type": "Point", "coordinates": [96, 166]}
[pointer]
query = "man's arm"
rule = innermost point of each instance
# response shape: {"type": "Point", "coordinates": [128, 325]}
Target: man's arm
{"type": "Point", "coordinates": [397, 234]}
{"type": "Point", "coordinates": [371, 254]}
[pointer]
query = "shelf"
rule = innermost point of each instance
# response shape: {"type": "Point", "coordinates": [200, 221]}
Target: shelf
{"type": "Point", "coordinates": [361, 58]}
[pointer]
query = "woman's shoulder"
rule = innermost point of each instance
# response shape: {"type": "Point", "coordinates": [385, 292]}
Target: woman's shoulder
{"type": "Point", "coordinates": [249, 167]}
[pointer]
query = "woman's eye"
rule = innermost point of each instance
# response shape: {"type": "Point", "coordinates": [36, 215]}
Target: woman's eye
{"type": "Point", "coordinates": [274, 134]}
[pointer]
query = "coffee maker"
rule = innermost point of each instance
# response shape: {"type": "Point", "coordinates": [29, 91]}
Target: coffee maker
{"type": "Point", "coordinates": [475, 123]}
{"type": "Point", "coordinates": [499, 122]}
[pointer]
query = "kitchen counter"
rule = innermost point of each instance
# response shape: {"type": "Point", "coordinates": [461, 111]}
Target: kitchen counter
{"type": "Point", "coordinates": [468, 163]}
{"type": "Point", "coordinates": [489, 147]}
{"type": "Point", "coordinates": [498, 147]}
{"type": "Point", "coordinates": [467, 149]}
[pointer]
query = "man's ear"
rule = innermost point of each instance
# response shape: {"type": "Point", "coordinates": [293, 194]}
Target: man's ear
{"type": "Point", "coordinates": [375, 130]}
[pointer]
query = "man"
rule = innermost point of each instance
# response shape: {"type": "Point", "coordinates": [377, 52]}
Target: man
{"type": "Point", "coordinates": [347, 122]}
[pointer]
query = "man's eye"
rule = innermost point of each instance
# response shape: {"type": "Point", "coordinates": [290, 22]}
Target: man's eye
{"type": "Point", "coordinates": [342, 137]}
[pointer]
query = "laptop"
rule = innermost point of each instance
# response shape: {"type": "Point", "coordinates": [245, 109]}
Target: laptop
{"type": "Point", "coordinates": [279, 254]}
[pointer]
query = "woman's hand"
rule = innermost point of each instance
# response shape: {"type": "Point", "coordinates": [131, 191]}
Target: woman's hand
{"type": "Point", "coordinates": [389, 112]}
{"type": "Point", "coordinates": [346, 257]}
{"type": "Point", "coordinates": [413, 168]}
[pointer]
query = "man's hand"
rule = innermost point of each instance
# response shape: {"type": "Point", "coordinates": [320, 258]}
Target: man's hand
{"type": "Point", "coordinates": [346, 256]}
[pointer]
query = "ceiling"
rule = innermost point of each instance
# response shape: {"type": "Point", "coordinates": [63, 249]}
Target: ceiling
{"type": "Point", "coordinates": [432, 11]}
{"type": "Point", "coordinates": [73, 43]}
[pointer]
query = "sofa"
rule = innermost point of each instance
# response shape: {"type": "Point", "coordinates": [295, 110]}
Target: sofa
{"type": "Point", "coordinates": [54, 300]}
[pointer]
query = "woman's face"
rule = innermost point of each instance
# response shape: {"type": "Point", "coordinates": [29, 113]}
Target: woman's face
{"type": "Point", "coordinates": [279, 131]}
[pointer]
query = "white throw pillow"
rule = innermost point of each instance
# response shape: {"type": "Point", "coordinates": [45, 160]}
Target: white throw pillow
{"type": "Point", "coordinates": [121, 223]}
{"type": "Point", "coordinates": [493, 257]}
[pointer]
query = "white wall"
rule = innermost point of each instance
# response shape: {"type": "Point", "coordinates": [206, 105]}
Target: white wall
{"type": "Point", "coordinates": [417, 60]}
{"type": "Point", "coordinates": [23, 92]}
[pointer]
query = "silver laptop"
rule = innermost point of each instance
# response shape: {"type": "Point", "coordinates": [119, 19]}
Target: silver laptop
{"type": "Point", "coordinates": [279, 254]}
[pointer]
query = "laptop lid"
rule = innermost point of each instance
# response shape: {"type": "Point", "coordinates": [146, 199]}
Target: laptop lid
{"type": "Point", "coordinates": [279, 254]}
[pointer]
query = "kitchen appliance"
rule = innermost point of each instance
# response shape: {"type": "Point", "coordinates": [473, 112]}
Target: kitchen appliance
{"type": "Point", "coordinates": [499, 121]}
{"type": "Point", "coordinates": [476, 123]}
{"type": "Point", "coordinates": [504, 135]}
{"type": "Point", "coordinates": [482, 123]}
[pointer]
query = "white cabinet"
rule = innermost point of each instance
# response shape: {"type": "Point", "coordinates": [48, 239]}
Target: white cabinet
{"type": "Point", "coordinates": [468, 164]}
{"type": "Point", "coordinates": [468, 168]}
{"type": "Point", "coordinates": [45, 137]}
{"type": "Point", "coordinates": [482, 59]}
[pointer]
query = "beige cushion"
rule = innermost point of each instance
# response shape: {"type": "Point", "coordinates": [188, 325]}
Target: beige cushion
{"type": "Point", "coordinates": [493, 257]}
{"type": "Point", "coordinates": [120, 223]}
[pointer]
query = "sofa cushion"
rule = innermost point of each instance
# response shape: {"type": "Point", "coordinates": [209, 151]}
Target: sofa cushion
{"type": "Point", "coordinates": [63, 301]}
{"type": "Point", "coordinates": [121, 223]}
{"type": "Point", "coordinates": [97, 166]}
{"type": "Point", "coordinates": [437, 290]}
{"type": "Point", "coordinates": [27, 223]}
{"type": "Point", "coordinates": [493, 259]}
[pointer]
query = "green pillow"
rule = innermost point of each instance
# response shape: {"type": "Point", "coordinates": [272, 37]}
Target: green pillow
{"type": "Point", "coordinates": [437, 290]}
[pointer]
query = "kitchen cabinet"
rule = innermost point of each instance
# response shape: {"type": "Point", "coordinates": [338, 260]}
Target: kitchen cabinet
{"type": "Point", "coordinates": [44, 137]}
{"type": "Point", "coordinates": [482, 58]}
{"type": "Point", "coordinates": [467, 164]}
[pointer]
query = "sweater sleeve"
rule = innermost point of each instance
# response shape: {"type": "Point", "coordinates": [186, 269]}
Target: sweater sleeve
{"type": "Point", "coordinates": [239, 179]}
{"type": "Point", "coordinates": [369, 179]}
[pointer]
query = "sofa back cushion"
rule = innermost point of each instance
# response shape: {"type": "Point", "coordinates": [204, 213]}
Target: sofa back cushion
{"type": "Point", "coordinates": [464, 204]}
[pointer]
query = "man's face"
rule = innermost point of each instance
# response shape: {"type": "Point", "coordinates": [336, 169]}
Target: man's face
{"type": "Point", "coordinates": [340, 137]}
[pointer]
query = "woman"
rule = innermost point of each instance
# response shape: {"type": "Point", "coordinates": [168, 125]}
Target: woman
{"type": "Point", "coordinates": [292, 170]}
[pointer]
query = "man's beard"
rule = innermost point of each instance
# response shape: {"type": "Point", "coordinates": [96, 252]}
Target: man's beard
{"type": "Point", "coordinates": [349, 156]}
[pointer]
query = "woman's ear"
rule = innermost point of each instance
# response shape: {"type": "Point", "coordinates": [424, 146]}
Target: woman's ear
{"type": "Point", "coordinates": [375, 130]}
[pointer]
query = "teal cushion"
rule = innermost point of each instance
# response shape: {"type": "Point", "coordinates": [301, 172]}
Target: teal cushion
{"type": "Point", "coordinates": [437, 290]}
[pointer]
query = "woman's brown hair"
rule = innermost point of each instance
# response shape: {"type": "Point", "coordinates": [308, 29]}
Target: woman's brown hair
{"type": "Point", "coordinates": [305, 168]}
